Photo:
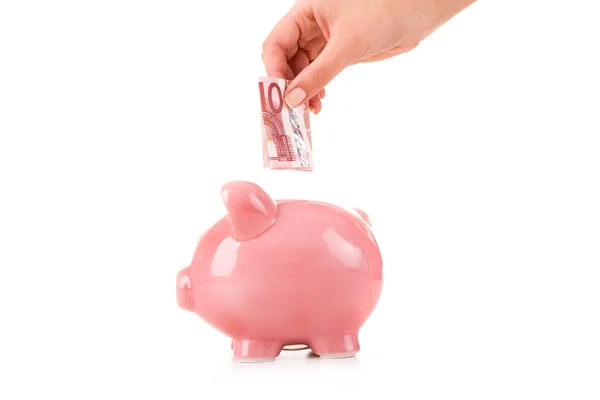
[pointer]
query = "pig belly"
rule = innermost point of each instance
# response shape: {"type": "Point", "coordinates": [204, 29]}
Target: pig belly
{"type": "Point", "coordinates": [289, 310]}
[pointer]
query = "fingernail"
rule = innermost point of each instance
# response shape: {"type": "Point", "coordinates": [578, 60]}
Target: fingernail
{"type": "Point", "coordinates": [295, 97]}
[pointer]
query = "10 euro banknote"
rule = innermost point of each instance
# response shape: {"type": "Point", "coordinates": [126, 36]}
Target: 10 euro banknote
{"type": "Point", "coordinates": [287, 142]}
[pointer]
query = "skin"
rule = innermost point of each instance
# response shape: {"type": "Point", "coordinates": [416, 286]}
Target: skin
{"type": "Point", "coordinates": [317, 39]}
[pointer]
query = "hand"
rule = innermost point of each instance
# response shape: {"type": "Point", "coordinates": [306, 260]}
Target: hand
{"type": "Point", "coordinates": [317, 39]}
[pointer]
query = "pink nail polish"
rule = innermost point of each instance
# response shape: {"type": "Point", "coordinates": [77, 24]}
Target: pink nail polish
{"type": "Point", "coordinates": [295, 97]}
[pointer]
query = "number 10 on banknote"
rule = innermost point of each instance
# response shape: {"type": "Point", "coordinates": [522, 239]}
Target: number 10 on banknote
{"type": "Point", "coordinates": [286, 137]}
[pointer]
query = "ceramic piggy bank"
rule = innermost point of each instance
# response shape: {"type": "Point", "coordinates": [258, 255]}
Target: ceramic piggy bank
{"type": "Point", "coordinates": [276, 275]}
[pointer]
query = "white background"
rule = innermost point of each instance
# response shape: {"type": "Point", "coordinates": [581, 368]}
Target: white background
{"type": "Point", "coordinates": [477, 157]}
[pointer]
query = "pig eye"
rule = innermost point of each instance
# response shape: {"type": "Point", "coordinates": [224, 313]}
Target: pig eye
{"type": "Point", "coordinates": [184, 282]}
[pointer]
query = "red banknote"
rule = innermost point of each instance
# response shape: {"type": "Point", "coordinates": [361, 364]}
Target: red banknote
{"type": "Point", "coordinates": [286, 136]}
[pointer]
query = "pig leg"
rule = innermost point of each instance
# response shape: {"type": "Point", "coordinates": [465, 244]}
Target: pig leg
{"type": "Point", "coordinates": [255, 350]}
{"type": "Point", "coordinates": [336, 346]}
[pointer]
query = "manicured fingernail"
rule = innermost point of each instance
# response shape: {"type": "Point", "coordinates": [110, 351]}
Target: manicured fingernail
{"type": "Point", "coordinates": [295, 97]}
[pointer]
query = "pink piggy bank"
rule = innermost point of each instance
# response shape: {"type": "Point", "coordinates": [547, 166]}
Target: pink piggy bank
{"type": "Point", "coordinates": [282, 274]}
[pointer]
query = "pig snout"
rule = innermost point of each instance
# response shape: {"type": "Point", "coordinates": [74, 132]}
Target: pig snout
{"type": "Point", "coordinates": [185, 297]}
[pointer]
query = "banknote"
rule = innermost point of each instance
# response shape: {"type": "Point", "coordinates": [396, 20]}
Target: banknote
{"type": "Point", "coordinates": [286, 135]}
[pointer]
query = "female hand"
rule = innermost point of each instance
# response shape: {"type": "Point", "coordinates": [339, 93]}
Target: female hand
{"type": "Point", "coordinates": [317, 39]}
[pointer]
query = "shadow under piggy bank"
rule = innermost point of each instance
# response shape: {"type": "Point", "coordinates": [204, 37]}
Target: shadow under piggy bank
{"type": "Point", "coordinates": [284, 275]}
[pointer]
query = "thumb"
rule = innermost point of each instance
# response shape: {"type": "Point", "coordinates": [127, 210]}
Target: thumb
{"type": "Point", "coordinates": [311, 80]}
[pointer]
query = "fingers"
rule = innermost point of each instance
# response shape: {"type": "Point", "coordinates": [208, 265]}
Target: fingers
{"type": "Point", "coordinates": [298, 63]}
{"type": "Point", "coordinates": [283, 58]}
{"type": "Point", "coordinates": [312, 79]}
{"type": "Point", "coordinates": [307, 52]}
{"type": "Point", "coordinates": [280, 46]}
{"type": "Point", "coordinates": [315, 105]}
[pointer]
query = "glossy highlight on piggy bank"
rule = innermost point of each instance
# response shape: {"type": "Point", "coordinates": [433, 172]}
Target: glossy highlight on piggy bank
{"type": "Point", "coordinates": [272, 275]}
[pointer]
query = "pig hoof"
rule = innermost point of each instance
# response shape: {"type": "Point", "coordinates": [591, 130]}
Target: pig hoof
{"type": "Point", "coordinates": [336, 346]}
{"type": "Point", "coordinates": [253, 350]}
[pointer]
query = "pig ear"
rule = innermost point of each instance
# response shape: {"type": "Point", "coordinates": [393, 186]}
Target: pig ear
{"type": "Point", "coordinates": [250, 209]}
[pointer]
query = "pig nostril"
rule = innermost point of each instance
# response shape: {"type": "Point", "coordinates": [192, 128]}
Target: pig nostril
{"type": "Point", "coordinates": [185, 282]}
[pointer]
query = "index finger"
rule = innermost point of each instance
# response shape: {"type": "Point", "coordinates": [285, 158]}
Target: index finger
{"type": "Point", "coordinates": [280, 46]}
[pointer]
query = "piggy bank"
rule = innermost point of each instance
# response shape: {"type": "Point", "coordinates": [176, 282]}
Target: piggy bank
{"type": "Point", "coordinates": [284, 274]}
